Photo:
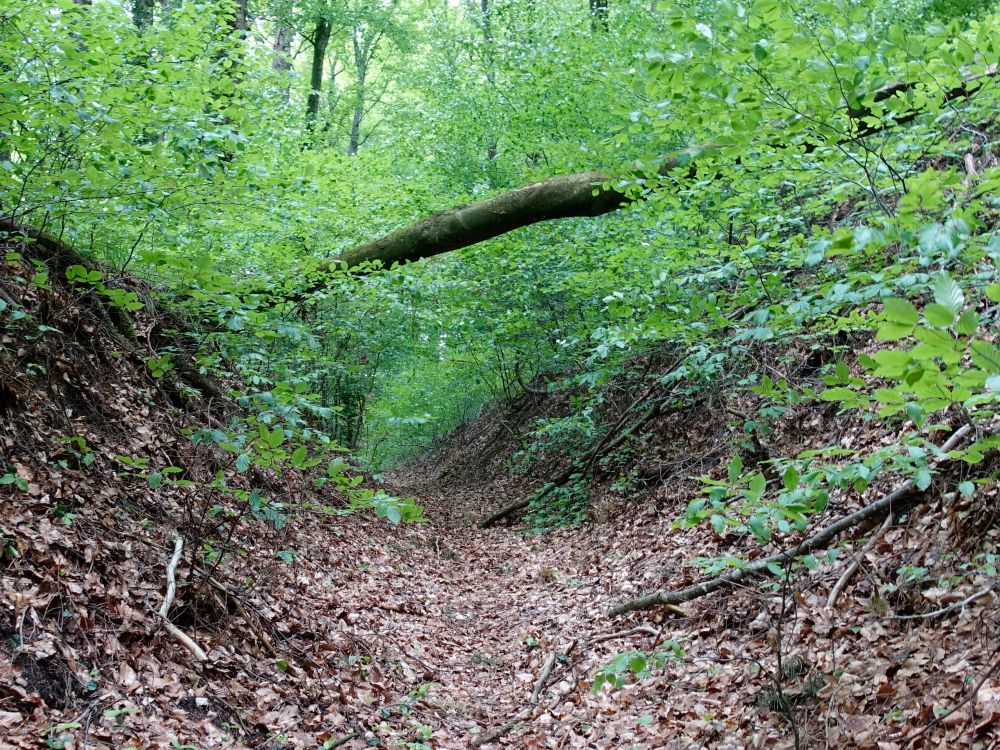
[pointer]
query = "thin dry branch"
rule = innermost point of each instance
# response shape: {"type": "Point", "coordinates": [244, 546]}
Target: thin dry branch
{"type": "Point", "coordinates": [855, 565]}
{"type": "Point", "coordinates": [543, 678]}
{"type": "Point", "coordinates": [910, 739]}
{"type": "Point", "coordinates": [903, 496]}
{"type": "Point", "coordinates": [637, 630]}
{"type": "Point", "coordinates": [168, 601]}
{"type": "Point", "coordinates": [951, 607]}
{"type": "Point", "coordinates": [500, 731]}
{"type": "Point", "coordinates": [583, 465]}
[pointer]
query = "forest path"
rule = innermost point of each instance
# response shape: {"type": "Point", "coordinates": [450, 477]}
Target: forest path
{"type": "Point", "coordinates": [481, 613]}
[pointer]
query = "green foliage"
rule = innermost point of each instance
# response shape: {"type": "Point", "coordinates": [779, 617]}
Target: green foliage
{"type": "Point", "coordinates": [638, 664]}
{"type": "Point", "coordinates": [952, 364]}
{"type": "Point", "coordinates": [812, 191]}
{"type": "Point", "coordinates": [10, 478]}
{"type": "Point", "coordinates": [565, 505]}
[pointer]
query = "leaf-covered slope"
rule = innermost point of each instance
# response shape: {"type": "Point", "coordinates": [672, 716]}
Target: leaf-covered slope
{"type": "Point", "coordinates": [100, 472]}
{"type": "Point", "coordinates": [345, 631]}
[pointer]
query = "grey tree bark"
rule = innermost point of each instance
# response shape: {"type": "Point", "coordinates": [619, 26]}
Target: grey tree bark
{"type": "Point", "coordinates": [281, 62]}
{"type": "Point", "coordinates": [142, 13]}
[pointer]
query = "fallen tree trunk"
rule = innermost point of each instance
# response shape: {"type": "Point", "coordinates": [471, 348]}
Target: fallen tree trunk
{"type": "Point", "coordinates": [585, 194]}
{"type": "Point", "coordinates": [905, 496]}
{"type": "Point", "coordinates": [560, 197]}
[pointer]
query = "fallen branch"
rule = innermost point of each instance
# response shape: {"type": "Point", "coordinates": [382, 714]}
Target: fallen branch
{"type": "Point", "coordinates": [902, 497]}
{"type": "Point", "coordinates": [242, 610]}
{"type": "Point", "coordinates": [637, 630]}
{"type": "Point", "coordinates": [525, 713]}
{"type": "Point", "coordinates": [341, 740]}
{"type": "Point", "coordinates": [951, 607]}
{"type": "Point", "coordinates": [856, 562]}
{"type": "Point", "coordinates": [967, 699]}
{"type": "Point", "coordinates": [581, 466]}
{"type": "Point", "coordinates": [168, 601]}
{"type": "Point", "coordinates": [499, 732]}
{"type": "Point", "coordinates": [543, 678]}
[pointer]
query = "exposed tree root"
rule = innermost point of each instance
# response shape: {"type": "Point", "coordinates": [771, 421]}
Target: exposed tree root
{"type": "Point", "coordinates": [905, 496]}
{"type": "Point", "coordinates": [59, 257]}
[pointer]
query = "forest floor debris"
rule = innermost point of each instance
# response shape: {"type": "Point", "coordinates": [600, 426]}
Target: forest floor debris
{"type": "Point", "coordinates": [344, 631]}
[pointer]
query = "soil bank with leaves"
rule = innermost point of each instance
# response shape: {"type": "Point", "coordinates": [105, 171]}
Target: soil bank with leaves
{"type": "Point", "coordinates": [168, 585]}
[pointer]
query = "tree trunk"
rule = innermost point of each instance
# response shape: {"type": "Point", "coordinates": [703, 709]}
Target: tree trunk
{"type": "Point", "coordinates": [321, 38]}
{"type": "Point", "coordinates": [142, 13]}
{"type": "Point", "coordinates": [490, 64]}
{"type": "Point", "coordinates": [599, 15]}
{"type": "Point", "coordinates": [281, 62]}
{"type": "Point", "coordinates": [561, 197]}
{"type": "Point", "coordinates": [362, 56]}
{"type": "Point", "coordinates": [356, 117]}
{"type": "Point", "coordinates": [239, 22]}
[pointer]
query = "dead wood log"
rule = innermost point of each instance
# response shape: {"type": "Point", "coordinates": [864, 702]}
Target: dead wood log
{"type": "Point", "coordinates": [855, 565]}
{"type": "Point", "coordinates": [904, 496]}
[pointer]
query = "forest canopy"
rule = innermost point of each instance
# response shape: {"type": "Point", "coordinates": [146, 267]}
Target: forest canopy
{"type": "Point", "coordinates": [230, 151]}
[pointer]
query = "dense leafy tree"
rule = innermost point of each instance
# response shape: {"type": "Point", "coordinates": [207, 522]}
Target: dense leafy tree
{"type": "Point", "coordinates": [160, 140]}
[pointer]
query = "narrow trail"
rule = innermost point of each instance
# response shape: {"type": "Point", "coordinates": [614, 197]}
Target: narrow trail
{"type": "Point", "coordinates": [483, 612]}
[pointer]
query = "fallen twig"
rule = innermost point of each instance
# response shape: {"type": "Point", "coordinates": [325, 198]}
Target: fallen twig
{"type": "Point", "coordinates": [902, 496]}
{"type": "Point", "coordinates": [342, 740]}
{"type": "Point", "coordinates": [543, 678]}
{"type": "Point", "coordinates": [637, 630]}
{"type": "Point", "coordinates": [967, 699]}
{"type": "Point", "coordinates": [951, 607]}
{"type": "Point", "coordinates": [499, 732]}
{"type": "Point", "coordinates": [168, 601]}
{"type": "Point", "coordinates": [525, 713]}
{"type": "Point", "coordinates": [856, 562]}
